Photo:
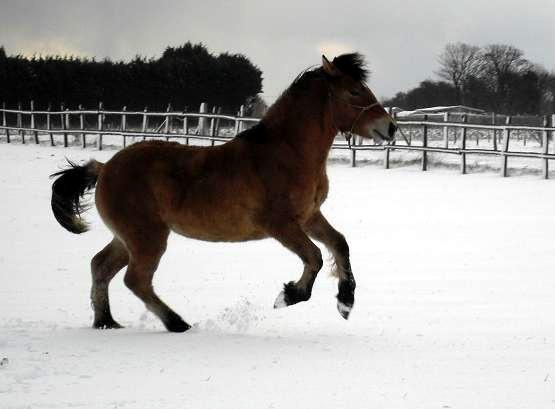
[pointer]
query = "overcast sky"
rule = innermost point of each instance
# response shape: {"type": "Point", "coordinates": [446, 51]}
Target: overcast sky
{"type": "Point", "coordinates": [400, 39]}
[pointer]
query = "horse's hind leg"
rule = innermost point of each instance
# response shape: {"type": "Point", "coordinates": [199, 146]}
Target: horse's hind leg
{"type": "Point", "coordinates": [104, 266]}
{"type": "Point", "coordinates": [319, 228]}
{"type": "Point", "coordinates": [144, 259]}
{"type": "Point", "coordinates": [296, 240]}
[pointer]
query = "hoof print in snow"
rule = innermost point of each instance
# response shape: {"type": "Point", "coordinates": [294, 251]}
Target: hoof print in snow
{"type": "Point", "coordinates": [4, 362]}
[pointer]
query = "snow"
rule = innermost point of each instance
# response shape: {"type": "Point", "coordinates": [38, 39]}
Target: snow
{"type": "Point", "coordinates": [440, 110]}
{"type": "Point", "coordinates": [454, 304]}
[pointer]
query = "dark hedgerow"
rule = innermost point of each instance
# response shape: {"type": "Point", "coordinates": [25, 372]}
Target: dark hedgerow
{"type": "Point", "coordinates": [184, 76]}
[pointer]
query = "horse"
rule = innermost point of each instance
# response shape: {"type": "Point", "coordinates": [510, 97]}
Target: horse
{"type": "Point", "coordinates": [268, 182]}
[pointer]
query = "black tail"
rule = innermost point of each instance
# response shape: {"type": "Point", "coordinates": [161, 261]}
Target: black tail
{"type": "Point", "coordinates": [67, 193]}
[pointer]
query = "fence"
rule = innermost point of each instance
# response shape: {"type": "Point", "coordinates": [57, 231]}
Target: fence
{"type": "Point", "coordinates": [211, 127]}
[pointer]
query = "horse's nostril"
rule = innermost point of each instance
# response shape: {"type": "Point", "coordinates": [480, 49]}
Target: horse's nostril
{"type": "Point", "coordinates": [392, 129]}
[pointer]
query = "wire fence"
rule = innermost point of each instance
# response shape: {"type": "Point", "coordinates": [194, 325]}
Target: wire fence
{"type": "Point", "coordinates": [424, 134]}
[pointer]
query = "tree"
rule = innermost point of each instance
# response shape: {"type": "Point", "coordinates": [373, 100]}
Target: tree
{"type": "Point", "coordinates": [428, 93]}
{"type": "Point", "coordinates": [496, 78]}
{"type": "Point", "coordinates": [184, 76]}
{"type": "Point", "coordinates": [550, 93]}
{"type": "Point", "coordinates": [546, 87]}
{"type": "Point", "coordinates": [500, 65]}
{"type": "Point", "coordinates": [459, 63]}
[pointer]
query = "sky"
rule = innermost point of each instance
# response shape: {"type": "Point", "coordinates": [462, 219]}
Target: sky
{"type": "Point", "coordinates": [401, 40]}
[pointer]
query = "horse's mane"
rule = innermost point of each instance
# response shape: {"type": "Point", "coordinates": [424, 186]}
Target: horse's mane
{"type": "Point", "coordinates": [352, 64]}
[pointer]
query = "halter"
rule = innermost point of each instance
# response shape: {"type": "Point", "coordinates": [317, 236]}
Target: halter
{"type": "Point", "coordinates": [363, 108]}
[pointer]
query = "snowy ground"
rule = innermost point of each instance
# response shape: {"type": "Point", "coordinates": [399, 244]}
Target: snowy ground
{"type": "Point", "coordinates": [455, 303]}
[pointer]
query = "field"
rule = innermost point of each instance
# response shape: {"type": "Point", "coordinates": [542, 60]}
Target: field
{"type": "Point", "coordinates": [455, 303]}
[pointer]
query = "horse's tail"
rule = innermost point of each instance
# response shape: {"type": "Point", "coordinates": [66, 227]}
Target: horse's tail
{"type": "Point", "coordinates": [68, 191]}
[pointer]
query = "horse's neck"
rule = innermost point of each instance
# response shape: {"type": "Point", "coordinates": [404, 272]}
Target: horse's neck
{"type": "Point", "coordinates": [306, 124]}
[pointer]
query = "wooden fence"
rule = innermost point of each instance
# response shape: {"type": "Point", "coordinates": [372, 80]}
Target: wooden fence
{"type": "Point", "coordinates": [209, 126]}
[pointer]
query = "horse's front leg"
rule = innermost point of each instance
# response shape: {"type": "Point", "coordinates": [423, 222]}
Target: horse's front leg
{"type": "Point", "coordinates": [295, 239]}
{"type": "Point", "coordinates": [319, 229]}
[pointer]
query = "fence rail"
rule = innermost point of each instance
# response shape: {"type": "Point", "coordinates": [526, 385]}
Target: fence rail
{"type": "Point", "coordinates": [208, 128]}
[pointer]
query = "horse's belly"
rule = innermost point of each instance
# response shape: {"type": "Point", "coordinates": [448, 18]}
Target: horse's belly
{"type": "Point", "coordinates": [216, 227]}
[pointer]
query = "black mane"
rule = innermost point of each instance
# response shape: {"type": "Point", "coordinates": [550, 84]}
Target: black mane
{"type": "Point", "coordinates": [352, 65]}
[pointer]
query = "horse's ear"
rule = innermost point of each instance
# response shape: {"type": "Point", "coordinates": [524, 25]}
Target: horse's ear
{"type": "Point", "coordinates": [329, 68]}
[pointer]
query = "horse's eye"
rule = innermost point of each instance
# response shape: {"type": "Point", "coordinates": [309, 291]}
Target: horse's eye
{"type": "Point", "coordinates": [355, 93]}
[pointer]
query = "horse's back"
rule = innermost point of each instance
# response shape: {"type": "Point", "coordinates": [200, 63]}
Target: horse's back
{"type": "Point", "coordinates": [208, 193]}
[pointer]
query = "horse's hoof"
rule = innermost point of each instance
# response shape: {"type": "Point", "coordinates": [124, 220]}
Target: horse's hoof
{"type": "Point", "coordinates": [291, 295]}
{"type": "Point", "coordinates": [346, 297]}
{"type": "Point", "coordinates": [281, 300]}
{"type": "Point", "coordinates": [177, 325]}
{"type": "Point", "coordinates": [344, 309]}
{"type": "Point", "coordinates": [110, 324]}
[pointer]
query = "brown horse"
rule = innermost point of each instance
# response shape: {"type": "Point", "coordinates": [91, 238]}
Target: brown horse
{"type": "Point", "coordinates": [269, 181]}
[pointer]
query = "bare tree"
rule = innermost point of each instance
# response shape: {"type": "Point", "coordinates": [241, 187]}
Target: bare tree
{"type": "Point", "coordinates": [549, 93]}
{"type": "Point", "coordinates": [459, 62]}
{"type": "Point", "coordinates": [500, 64]}
{"type": "Point", "coordinates": [546, 87]}
{"type": "Point", "coordinates": [500, 60]}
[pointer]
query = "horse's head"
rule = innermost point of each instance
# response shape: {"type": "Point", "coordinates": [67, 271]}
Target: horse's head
{"type": "Point", "coordinates": [354, 107]}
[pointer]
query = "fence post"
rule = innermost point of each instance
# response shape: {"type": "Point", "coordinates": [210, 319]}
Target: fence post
{"type": "Point", "coordinates": [168, 119]}
{"type": "Point", "coordinates": [82, 126]}
{"type": "Point", "coordinates": [20, 123]}
{"type": "Point", "coordinates": [494, 123]}
{"type": "Point", "coordinates": [553, 132]}
{"type": "Point", "coordinates": [237, 123]}
{"type": "Point", "coordinates": [241, 114]}
{"type": "Point", "coordinates": [446, 130]}
{"type": "Point", "coordinates": [353, 156]}
{"type": "Point", "coordinates": [386, 148]}
{"type": "Point", "coordinates": [63, 123]}
{"type": "Point", "coordinates": [201, 128]}
{"type": "Point", "coordinates": [545, 145]}
{"type": "Point", "coordinates": [463, 145]}
{"type": "Point", "coordinates": [4, 122]}
{"type": "Point", "coordinates": [145, 123]}
{"type": "Point", "coordinates": [425, 144]}
{"type": "Point", "coordinates": [386, 157]}
{"type": "Point", "coordinates": [507, 136]}
{"type": "Point", "coordinates": [49, 124]}
{"type": "Point", "coordinates": [67, 120]}
{"type": "Point", "coordinates": [218, 112]}
{"type": "Point", "coordinates": [100, 125]}
{"type": "Point", "coordinates": [185, 126]}
{"type": "Point", "coordinates": [124, 126]}
{"type": "Point", "coordinates": [500, 134]}
{"type": "Point", "coordinates": [213, 126]}
{"type": "Point", "coordinates": [35, 132]}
